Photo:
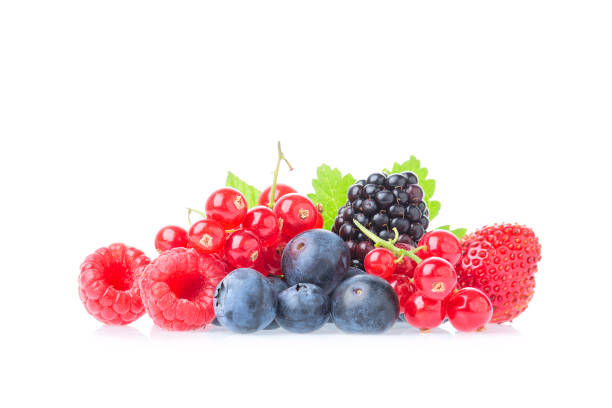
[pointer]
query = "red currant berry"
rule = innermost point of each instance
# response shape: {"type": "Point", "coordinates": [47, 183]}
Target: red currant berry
{"type": "Point", "coordinates": [435, 277]}
{"type": "Point", "coordinates": [262, 222]}
{"type": "Point", "coordinates": [242, 249]}
{"type": "Point", "coordinates": [207, 236]}
{"type": "Point", "coordinates": [469, 309]}
{"type": "Point", "coordinates": [170, 237]}
{"type": "Point", "coordinates": [297, 214]}
{"type": "Point", "coordinates": [403, 287]}
{"type": "Point", "coordinates": [424, 313]}
{"type": "Point", "coordinates": [441, 243]}
{"type": "Point", "coordinates": [319, 222]}
{"type": "Point", "coordinates": [273, 255]}
{"type": "Point", "coordinates": [227, 206]}
{"type": "Point", "coordinates": [379, 262]}
{"type": "Point", "coordinates": [281, 190]}
{"type": "Point", "coordinates": [406, 265]}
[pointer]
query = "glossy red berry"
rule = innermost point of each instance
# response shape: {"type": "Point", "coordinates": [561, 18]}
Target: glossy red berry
{"type": "Point", "coordinates": [207, 236]}
{"type": "Point", "coordinates": [227, 206]}
{"type": "Point", "coordinates": [441, 243]}
{"type": "Point", "coordinates": [435, 278]}
{"type": "Point", "coordinates": [297, 214]}
{"type": "Point", "coordinates": [242, 249]}
{"type": "Point", "coordinates": [469, 309]}
{"type": "Point", "coordinates": [424, 313]}
{"type": "Point", "coordinates": [262, 222]}
{"type": "Point", "coordinates": [281, 190]}
{"type": "Point", "coordinates": [273, 255]}
{"type": "Point", "coordinates": [380, 262]}
{"type": "Point", "coordinates": [170, 237]}
{"type": "Point", "coordinates": [406, 265]}
{"type": "Point", "coordinates": [320, 221]}
{"type": "Point", "coordinates": [403, 287]}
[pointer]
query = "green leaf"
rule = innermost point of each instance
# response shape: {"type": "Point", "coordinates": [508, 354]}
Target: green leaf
{"type": "Point", "coordinates": [330, 188]}
{"type": "Point", "coordinates": [428, 185]}
{"type": "Point", "coordinates": [459, 232]}
{"type": "Point", "coordinates": [250, 193]}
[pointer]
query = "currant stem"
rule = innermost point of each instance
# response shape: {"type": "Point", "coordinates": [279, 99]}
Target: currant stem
{"type": "Point", "coordinates": [190, 210]}
{"type": "Point", "coordinates": [281, 157]}
{"type": "Point", "coordinates": [398, 252]}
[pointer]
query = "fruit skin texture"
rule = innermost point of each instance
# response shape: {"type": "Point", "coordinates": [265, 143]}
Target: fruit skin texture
{"type": "Point", "coordinates": [273, 255]}
{"type": "Point", "coordinates": [316, 256]}
{"type": "Point", "coordinates": [243, 250]}
{"type": "Point", "coordinates": [281, 190]}
{"type": "Point", "coordinates": [227, 206]}
{"type": "Point", "coordinates": [302, 308]}
{"type": "Point", "coordinates": [262, 222]}
{"type": "Point", "coordinates": [169, 237]}
{"type": "Point", "coordinates": [403, 287]}
{"type": "Point", "coordinates": [297, 214]}
{"type": "Point", "coordinates": [501, 260]}
{"type": "Point", "coordinates": [406, 265]}
{"type": "Point", "coordinates": [364, 304]}
{"type": "Point", "coordinates": [442, 244]}
{"type": "Point", "coordinates": [108, 284]}
{"type": "Point", "coordinates": [424, 313]}
{"type": "Point", "coordinates": [207, 236]}
{"type": "Point", "coordinates": [245, 301]}
{"type": "Point", "coordinates": [177, 288]}
{"type": "Point", "coordinates": [435, 278]}
{"type": "Point", "coordinates": [469, 309]}
{"type": "Point", "coordinates": [380, 262]}
{"type": "Point", "coordinates": [278, 285]}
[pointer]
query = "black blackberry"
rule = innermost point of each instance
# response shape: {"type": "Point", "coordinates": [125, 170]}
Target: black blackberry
{"type": "Point", "coordinates": [380, 203]}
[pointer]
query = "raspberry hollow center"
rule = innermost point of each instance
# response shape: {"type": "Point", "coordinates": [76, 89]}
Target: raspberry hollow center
{"type": "Point", "coordinates": [187, 285]}
{"type": "Point", "coordinates": [119, 276]}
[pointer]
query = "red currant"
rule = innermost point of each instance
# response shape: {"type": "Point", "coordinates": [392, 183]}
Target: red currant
{"type": "Point", "coordinates": [424, 313]}
{"type": "Point", "coordinates": [406, 265]}
{"type": "Point", "coordinates": [273, 255]}
{"type": "Point", "coordinates": [319, 223]}
{"type": "Point", "coordinates": [380, 262]}
{"type": "Point", "coordinates": [297, 214]}
{"type": "Point", "coordinates": [170, 237]}
{"type": "Point", "coordinates": [441, 243]}
{"type": "Point", "coordinates": [227, 206]}
{"type": "Point", "coordinates": [404, 288]}
{"type": "Point", "coordinates": [281, 190]}
{"type": "Point", "coordinates": [262, 222]}
{"type": "Point", "coordinates": [207, 236]}
{"type": "Point", "coordinates": [435, 277]}
{"type": "Point", "coordinates": [469, 309]}
{"type": "Point", "coordinates": [242, 249]}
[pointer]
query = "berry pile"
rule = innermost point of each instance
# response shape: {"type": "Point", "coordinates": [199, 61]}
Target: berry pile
{"type": "Point", "coordinates": [274, 266]}
{"type": "Point", "coordinates": [383, 204]}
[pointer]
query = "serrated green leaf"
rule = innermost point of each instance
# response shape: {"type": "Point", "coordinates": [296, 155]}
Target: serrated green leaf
{"type": "Point", "coordinates": [250, 193]}
{"type": "Point", "coordinates": [459, 232]}
{"type": "Point", "coordinates": [428, 185]}
{"type": "Point", "coordinates": [330, 188]}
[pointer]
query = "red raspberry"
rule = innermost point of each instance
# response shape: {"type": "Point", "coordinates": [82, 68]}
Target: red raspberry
{"type": "Point", "coordinates": [108, 284]}
{"type": "Point", "coordinates": [178, 288]}
{"type": "Point", "coordinates": [501, 260]}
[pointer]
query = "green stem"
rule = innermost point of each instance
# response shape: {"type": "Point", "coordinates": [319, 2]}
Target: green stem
{"type": "Point", "coordinates": [190, 210]}
{"type": "Point", "coordinates": [398, 252]}
{"type": "Point", "coordinates": [281, 157]}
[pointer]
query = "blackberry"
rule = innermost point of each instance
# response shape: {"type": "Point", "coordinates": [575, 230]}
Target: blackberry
{"type": "Point", "coordinates": [381, 202]}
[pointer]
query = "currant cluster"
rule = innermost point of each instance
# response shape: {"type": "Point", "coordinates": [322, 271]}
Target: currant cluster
{"type": "Point", "coordinates": [382, 203]}
{"type": "Point", "coordinates": [242, 237]}
{"type": "Point", "coordinates": [425, 281]}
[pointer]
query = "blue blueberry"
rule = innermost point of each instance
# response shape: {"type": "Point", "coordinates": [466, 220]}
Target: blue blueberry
{"type": "Point", "coordinates": [278, 285]}
{"type": "Point", "coordinates": [302, 308]}
{"type": "Point", "coordinates": [245, 301]}
{"type": "Point", "coordinates": [352, 271]}
{"type": "Point", "coordinates": [316, 256]}
{"type": "Point", "coordinates": [364, 304]}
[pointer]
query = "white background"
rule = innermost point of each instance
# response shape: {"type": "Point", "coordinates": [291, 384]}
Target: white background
{"type": "Point", "coordinates": [116, 115]}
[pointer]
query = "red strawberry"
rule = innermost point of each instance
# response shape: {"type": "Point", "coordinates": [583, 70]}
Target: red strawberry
{"type": "Point", "coordinates": [501, 260]}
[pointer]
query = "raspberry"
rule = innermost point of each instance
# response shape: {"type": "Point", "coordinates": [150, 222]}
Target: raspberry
{"type": "Point", "coordinates": [178, 288]}
{"type": "Point", "coordinates": [108, 284]}
{"type": "Point", "coordinates": [381, 203]}
{"type": "Point", "coordinates": [501, 260]}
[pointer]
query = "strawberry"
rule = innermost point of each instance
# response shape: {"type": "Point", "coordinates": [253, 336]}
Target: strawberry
{"type": "Point", "coordinates": [501, 260]}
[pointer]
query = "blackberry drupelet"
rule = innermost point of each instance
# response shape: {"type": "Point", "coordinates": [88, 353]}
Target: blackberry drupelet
{"type": "Point", "coordinates": [382, 202]}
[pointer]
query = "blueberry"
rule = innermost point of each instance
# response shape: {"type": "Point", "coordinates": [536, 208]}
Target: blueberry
{"type": "Point", "coordinates": [302, 308]}
{"type": "Point", "coordinates": [245, 301]}
{"type": "Point", "coordinates": [215, 322]}
{"type": "Point", "coordinates": [352, 271]}
{"type": "Point", "coordinates": [278, 285]}
{"type": "Point", "coordinates": [316, 256]}
{"type": "Point", "coordinates": [364, 304]}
